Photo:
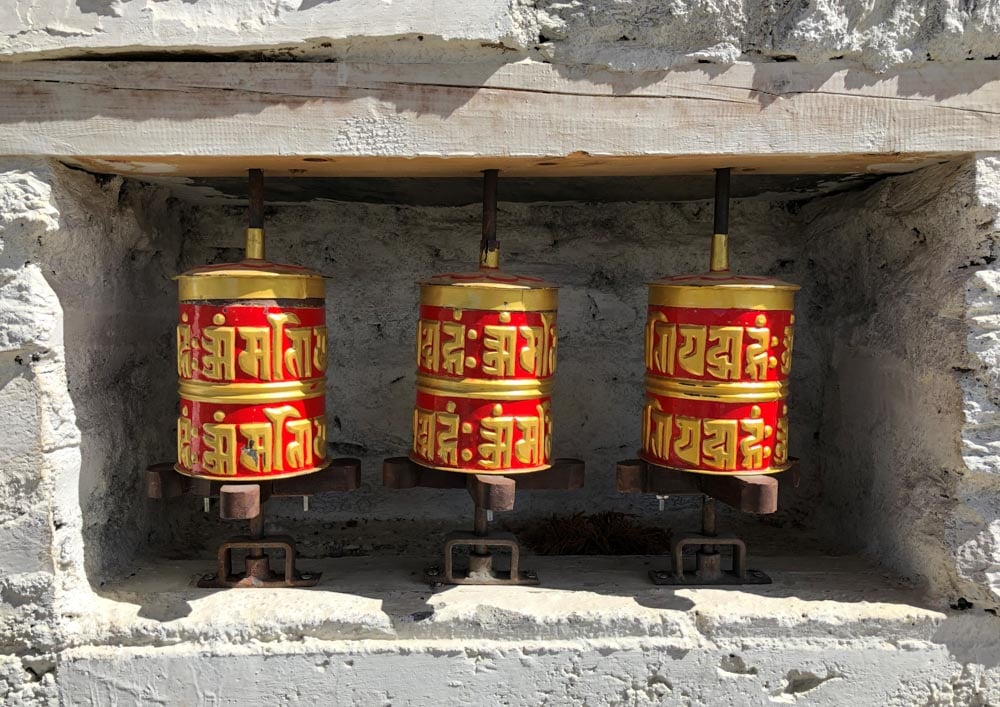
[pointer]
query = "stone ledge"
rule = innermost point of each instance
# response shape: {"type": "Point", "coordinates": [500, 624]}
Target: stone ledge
{"type": "Point", "coordinates": [829, 598]}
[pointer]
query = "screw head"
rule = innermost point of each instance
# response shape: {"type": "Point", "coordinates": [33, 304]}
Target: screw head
{"type": "Point", "coordinates": [531, 574]}
{"type": "Point", "coordinates": [208, 577]}
{"type": "Point", "coordinates": [661, 574]}
{"type": "Point", "coordinates": [432, 571]}
{"type": "Point", "coordinates": [306, 575]}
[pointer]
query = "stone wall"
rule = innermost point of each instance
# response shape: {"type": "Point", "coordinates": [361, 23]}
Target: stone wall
{"type": "Point", "coordinates": [624, 36]}
{"type": "Point", "coordinates": [905, 293]}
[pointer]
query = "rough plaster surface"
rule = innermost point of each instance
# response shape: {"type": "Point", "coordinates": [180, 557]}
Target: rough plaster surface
{"type": "Point", "coordinates": [904, 277]}
{"type": "Point", "coordinates": [622, 35]}
{"type": "Point", "coordinates": [902, 290]}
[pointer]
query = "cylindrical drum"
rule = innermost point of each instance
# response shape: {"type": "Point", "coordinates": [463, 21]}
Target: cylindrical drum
{"type": "Point", "coordinates": [251, 359]}
{"type": "Point", "coordinates": [486, 352]}
{"type": "Point", "coordinates": [718, 354]}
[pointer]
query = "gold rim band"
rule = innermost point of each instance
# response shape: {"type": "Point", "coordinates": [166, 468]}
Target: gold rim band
{"type": "Point", "coordinates": [715, 472]}
{"type": "Point", "coordinates": [511, 299]}
{"type": "Point", "coordinates": [226, 286]}
{"type": "Point", "coordinates": [250, 479]}
{"type": "Point", "coordinates": [506, 472]}
{"type": "Point", "coordinates": [723, 296]}
{"type": "Point", "coordinates": [251, 393]}
{"type": "Point", "coordinates": [480, 389]}
{"type": "Point", "coordinates": [762, 392]}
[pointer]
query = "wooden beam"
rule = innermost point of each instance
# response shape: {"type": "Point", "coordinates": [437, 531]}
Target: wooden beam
{"type": "Point", "coordinates": [528, 118]}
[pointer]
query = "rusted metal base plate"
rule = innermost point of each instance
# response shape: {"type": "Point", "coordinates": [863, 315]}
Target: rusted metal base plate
{"type": "Point", "coordinates": [275, 581]}
{"type": "Point", "coordinates": [728, 578]}
{"type": "Point", "coordinates": [257, 566]}
{"type": "Point", "coordinates": [480, 571]}
{"type": "Point", "coordinates": [434, 577]}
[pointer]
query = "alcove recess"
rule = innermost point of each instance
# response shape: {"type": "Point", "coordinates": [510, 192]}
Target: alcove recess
{"type": "Point", "coordinates": [875, 245]}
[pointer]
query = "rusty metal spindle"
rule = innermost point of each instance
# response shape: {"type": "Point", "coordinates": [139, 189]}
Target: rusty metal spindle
{"type": "Point", "coordinates": [255, 215]}
{"type": "Point", "coordinates": [489, 248]}
{"type": "Point", "coordinates": [720, 231]}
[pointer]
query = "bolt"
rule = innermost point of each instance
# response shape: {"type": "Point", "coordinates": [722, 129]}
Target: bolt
{"type": "Point", "coordinates": [530, 574]}
{"type": "Point", "coordinates": [489, 516]}
{"type": "Point", "coordinates": [663, 501]}
{"type": "Point", "coordinates": [206, 504]}
{"type": "Point", "coordinates": [208, 577]}
{"type": "Point", "coordinates": [306, 575]}
{"type": "Point", "coordinates": [432, 571]}
{"type": "Point", "coordinates": [305, 504]}
{"type": "Point", "coordinates": [661, 574]}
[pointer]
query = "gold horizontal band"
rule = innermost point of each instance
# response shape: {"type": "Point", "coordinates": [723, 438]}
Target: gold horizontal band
{"type": "Point", "coordinates": [484, 389]}
{"type": "Point", "coordinates": [765, 297]}
{"type": "Point", "coordinates": [505, 472]}
{"type": "Point", "coordinates": [227, 286]}
{"type": "Point", "coordinates": [251, 479]}
{"type": "Point", "coordinates": [760, 392]}
{"type": "Point", "coordinates": [511, 299]}
{"type": "Point", "coordinates": [251, 393]}
{"type": "Point", "coordinates": [773, 469]}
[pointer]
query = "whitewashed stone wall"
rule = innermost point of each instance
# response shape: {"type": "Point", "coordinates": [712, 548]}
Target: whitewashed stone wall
{"type": "Point", "coordinates": [626, 36]}
{"type": "Point", "coordinates": [896, 375]}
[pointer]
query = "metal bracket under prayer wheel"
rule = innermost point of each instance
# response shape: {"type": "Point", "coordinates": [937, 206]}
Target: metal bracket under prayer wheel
{"type": "Point", "coordinates": [750, 494]}
{"type": "Point", "coordinates": [490, 493]}
{"type": "Point", "coordinates": [246, 501]}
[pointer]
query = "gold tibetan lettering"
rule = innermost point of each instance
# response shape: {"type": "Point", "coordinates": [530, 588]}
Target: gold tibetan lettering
{"type": "Point", "coordinates": [499, 344]}
{"type": "Point", "coordinates": [319, 348]}
{"type": "Point", "coordinates": [299, 452]}
{"type": "Point", "coordinates": [277, 416]}
{"type": "Point", "coordinates": [255, 358]}
{"type": "Point", "coordinates": [723, 359]}
{"type": "Point", "coordinates": [185, 455]}
{"type": "Point", "coordinates": [752, 446]}
{"type": "Point", "coordinates": [428, 344]}
{"type": "Point", "coordinates": [298, 356]}
{"type": "Point", "coordinates": [257, 453]}
{"type": "Point", "coordinates": [691, 354]}
{"type": "Point", "coordinates": [687, 444]}
{"type": "Point", "coordinates": [661, 344]}
{"type": "Point", "coordinates": [786, 356]}
{"type": "Point", "coordinates": [757, 352]}
{"type": "Point", "coordinates": [535, 443]}
{"type": "Point", "coordinates": [220, 449]}
{"type": "Point", "coordinates": [447, 435]}
{"type": "Point", "coordinates": [218, 359]}
{"type": "Point", "coordinates": [185, 353]}
{"type": "Point", "coordinates": [453, 347]}
{"type": "Point", "coordinates": [277, 322]}
{"type": "Point", "coordinates": [718, 445]}
{"type": "Point", "coordinates": [496, 450]}
{"type": "Point", "coordinates": [781, 441]}
{"type": "Point", "coordinates": [423, 433]}
{"type": "Point", "coordinates": [657, 430]}
{"type": "Point", "coordinates": [319, 437]}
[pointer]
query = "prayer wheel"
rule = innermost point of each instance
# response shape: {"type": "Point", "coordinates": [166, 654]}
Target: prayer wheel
{"type": "Point", "coordinates": [251, 363]}
{"type": "Point", "coordinates": [718, 352]}
{"type": "Point", "coordinates": [486, 354]}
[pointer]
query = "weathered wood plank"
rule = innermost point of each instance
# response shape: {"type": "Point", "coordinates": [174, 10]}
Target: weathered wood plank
{"type": "Point", "coordinates": [181, 118]}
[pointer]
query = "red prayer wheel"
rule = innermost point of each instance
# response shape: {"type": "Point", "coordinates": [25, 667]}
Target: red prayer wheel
{"type": "Point", "coordinates": [718, 353]}
{"type": "Point", "coordinates": [251, 363]}
{"type": "Point", "coordinates": [486, 352]}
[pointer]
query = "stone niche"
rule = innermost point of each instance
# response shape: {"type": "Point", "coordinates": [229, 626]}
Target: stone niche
{"type": "Point", "coordinates": [894, 414]}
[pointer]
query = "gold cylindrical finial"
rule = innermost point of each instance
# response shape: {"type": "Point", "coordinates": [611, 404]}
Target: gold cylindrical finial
{"type": "Point", "coordinates": [489, 258]}
{"type": "Point", "coordinates": [720, 253]}
{"type": "Point", "coordinates": [255, 244]}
